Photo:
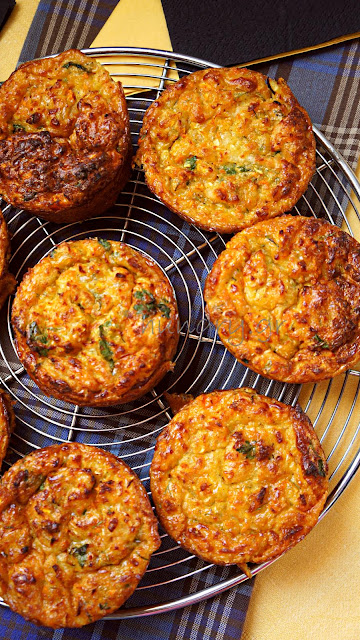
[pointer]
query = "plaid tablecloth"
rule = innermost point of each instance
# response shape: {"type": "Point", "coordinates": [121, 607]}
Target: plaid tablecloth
{"type": "Point", "coordinates": [327, 85]}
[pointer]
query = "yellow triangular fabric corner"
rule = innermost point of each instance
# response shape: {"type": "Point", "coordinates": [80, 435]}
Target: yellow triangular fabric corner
{"type": "Point", "coordinates": [135, 23]}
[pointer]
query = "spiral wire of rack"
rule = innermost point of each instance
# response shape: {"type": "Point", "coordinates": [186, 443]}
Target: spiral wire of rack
{"type": "Point", "coordinates": [186, 254]}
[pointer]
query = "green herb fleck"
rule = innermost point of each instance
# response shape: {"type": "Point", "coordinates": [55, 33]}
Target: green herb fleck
{"type": "Point", "coordinates": [98, 298]}
{"type": "Point", "coordinates": [230, 168]}
{"type": "Point", "coordinates": [18, 127]}
{"type": "Point", "coordinates": [36, 335]}
{"type": "Point", "coordinates": [321, 468]}
{"type": "Point", "coordinates": [52, 252]}
{"type": "Point", "coordinates": [105, 348]}
{"type": "Point", "coordinates": [141, 295]}
{"type": "Point", "coordinates": [148, 304]}
{"type": "Point", "coordinates": [243, 169]}
{"type": "Point", "coordinates": [42, 486]}
{"type": "Point", "coordinates": [190, 163]}
{"type": "Point", "coordinates": [104, 607]}
{"type": "Point", "coordinates": [322, 343]}
{"type": "Point", "coordinates": [80, 554]}
{"type": "Point", "coordinates": [245, 360]}
{"type": "Point", "coordinates": [271, 240]}
{"type": "Point", "coordinates": [105, 243]}
{"type": "Point", "coordinates": [76, 65]}
{"type": "Point", "coordinates": [248, 449]}
{"type": "Point", "coordinates": [165, 310]}
{"type": "Point", "coordinates": [145, 309]}
{"type": "Point", "coordinates": [326, 236]}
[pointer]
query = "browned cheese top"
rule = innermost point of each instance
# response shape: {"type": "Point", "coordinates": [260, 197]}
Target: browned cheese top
{"type": "Point", "coordinates": [76, 535]}
{"type": "Point", "coordinates": [64, 132]}
{"type": "Point", "coordinates": [225, 148]}
{"type": "Point", "coordinates": [285, 299]}
{"type": "Point", "coordinates": [237, 477]}
{"type": "Point", "coordinates": [95, 322]}
{"type": "Point", "coordinates": [7, 422]}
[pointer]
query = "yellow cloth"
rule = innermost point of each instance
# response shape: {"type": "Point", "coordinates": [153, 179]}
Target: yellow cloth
{"type": "Point", "coordinates": [13, 34]}
{"type": "Point", "coordinates": [312, 592]}
{"type": "Point", "coordinates": [135, 23]}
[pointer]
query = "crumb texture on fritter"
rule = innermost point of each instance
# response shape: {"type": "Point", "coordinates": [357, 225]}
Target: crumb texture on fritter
{"type": "Point", "coordinates": [76, 535]}
{"type": "Point", "coordinates": [285, 299]}
{"type": "Point", "coordinates": [225, 148]}
{"type": "Point", "coordinates": [95, 323]}
{"type": "Point", "coordinates": [65, 147]}
{"type": "Point", "coordinates": [237, 477]}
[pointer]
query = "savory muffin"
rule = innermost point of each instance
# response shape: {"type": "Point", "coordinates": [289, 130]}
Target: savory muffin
{"type": "Point", "coordinates": [76, 535]}
{"type": "Point", "coordinates": [285, 299]}
{"type": "Point", "coordinates": [95, 323]}
{"type": "Point", "coordinates": [7, 280]}
{"type": "Point", "coordinates": [237, 477]}
{"type": "Point", "coordinates": [225, 148]}
{"type": "Point", "coordinates": [7, 422]}
{"type": "Point", "coordinates": [65, 149]}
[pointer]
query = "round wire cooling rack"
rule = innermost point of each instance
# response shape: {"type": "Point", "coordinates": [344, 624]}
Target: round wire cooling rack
{"type": "Point", "coordinates": [174, 578]}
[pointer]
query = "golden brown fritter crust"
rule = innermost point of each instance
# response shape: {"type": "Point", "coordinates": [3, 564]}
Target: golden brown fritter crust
{"type": "Point", "coordinates": [76, 535]}
{"type": "Point", "coordinates": [7, 422]}
{"type": "Point", "coordinates": [237, 477]}
{"type": "Point", "coordinates": [95, 323]}
{"type": "Point", "coordinates": [7, 280]}
{"type": "Point", "coordinates": [285, 298]}
{"type": "Point", "coordinates": [225, 148]}
{"type": "Point", "coordinates": [65, 148]}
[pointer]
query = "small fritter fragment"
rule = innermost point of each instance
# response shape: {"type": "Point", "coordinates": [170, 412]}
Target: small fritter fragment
{"type": "Point", "coordinates": [285, 299]}
{"type": "Point", "coordinates": [7, 422]}
{"type": "Point", "coordinates": [65, 148]}
{"type": "Point", "coordinates": [237, 477]}
{"type": "Point", "coordinates": [76, 535]}
{"type": "Point", "coordinates": [95, 323]}
{"type": "Point", "coordinates": [225, 148]}
{"type": "Point", "coordinates": [178, 400]}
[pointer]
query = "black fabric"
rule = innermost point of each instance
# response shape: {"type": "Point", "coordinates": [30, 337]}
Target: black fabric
{"type": "Point", "coordinates": [6, 7]}
{"type": "Point", "coordinates": [234, 31]}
